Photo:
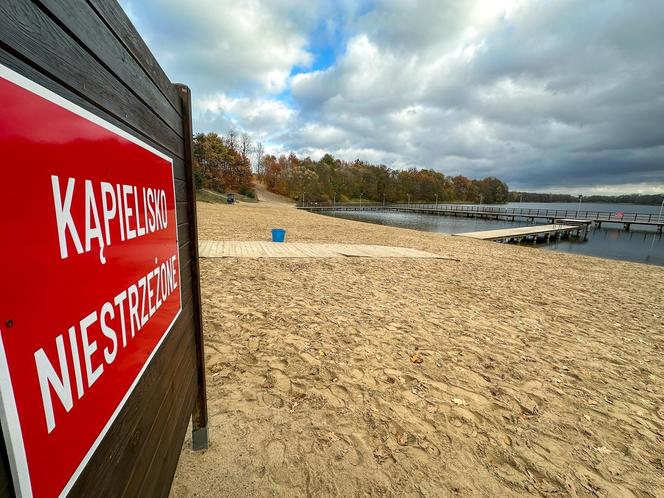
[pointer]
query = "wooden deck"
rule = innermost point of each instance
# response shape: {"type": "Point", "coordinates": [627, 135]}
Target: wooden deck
{"type": "Point", "coordinates": [260, 249]}
{"type": "Point", "coordinates": [520, 232]}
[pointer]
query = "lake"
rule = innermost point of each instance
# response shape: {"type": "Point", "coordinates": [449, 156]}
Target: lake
{"type": "Point", "coordinates": [640, 244]}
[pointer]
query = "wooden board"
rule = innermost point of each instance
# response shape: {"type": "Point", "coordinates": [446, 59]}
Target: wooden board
{"type": "Point", "coordinates": [89, 53]}
{"type": "Point", "coordinates": [506, 233]}
{"type": "Point", "coordinates": [260, 249]}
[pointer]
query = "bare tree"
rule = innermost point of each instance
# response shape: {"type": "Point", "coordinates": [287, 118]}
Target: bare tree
{"type": "Point", "coordinates": [231, 139]}
{"type": "Point", "coordinates": [259, 152]}
{"type": "Point", "coordinates": [245, 145]}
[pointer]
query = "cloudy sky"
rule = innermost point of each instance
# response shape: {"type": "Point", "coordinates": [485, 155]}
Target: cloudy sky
{"type": "Point", "coordinates": [548, 95]}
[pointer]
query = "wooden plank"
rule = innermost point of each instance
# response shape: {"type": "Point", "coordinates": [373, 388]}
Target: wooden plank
{"type": "Point", "coordinates": [178, 412]}
{"type": "Point", "coordinates": [200, 413]}
{"type": "Point", "coordinates": [33, 36]}
{"type": "Point", "coordinates": [114, 17]}
{"type": "Point", "coordinates": [6, 486]}
{"type": "Point", "coordinates": [90, 54]}
{"type": "Point", "coordinates": [31, 73]}
{"type": "Point", "coordinates": [517, 232]}
{"type": "Point", "coordinates": [170, 439]}
{"type": "Point", "coordinates": [83, 23]}
{"type": "Point", "coordinates": [263, 249]}
{"type": "Point", "coordinates": [122, 446]}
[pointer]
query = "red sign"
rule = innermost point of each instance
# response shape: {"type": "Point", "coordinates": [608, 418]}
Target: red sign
{"type": "Point", "coordinates": [90, 278]}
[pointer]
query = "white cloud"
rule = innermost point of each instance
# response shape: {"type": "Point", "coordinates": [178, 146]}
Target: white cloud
{"type": "Point", "coordinates": [563, 94]}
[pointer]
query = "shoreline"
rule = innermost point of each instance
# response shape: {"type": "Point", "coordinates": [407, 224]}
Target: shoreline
{"type": "Point", "coordinates": [512, 371]}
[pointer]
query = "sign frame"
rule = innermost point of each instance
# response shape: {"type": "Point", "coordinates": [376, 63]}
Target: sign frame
{"type": "Point", "coordinates": [9, 418]}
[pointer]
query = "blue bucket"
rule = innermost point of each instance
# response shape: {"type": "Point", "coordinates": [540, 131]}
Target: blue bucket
{"type": "Point", "coordinates": [278, 235]}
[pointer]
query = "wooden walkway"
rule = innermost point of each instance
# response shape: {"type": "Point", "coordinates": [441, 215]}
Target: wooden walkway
{"type": "Point", "coordinates": [521, 232]}
{"type": "Point", "coordinates": [500, 213]}
{"type": "Point", "coordinates": [260, 249]}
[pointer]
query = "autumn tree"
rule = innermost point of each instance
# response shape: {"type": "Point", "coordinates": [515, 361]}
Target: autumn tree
{"type": "Point", "coordinates": [220, 167]}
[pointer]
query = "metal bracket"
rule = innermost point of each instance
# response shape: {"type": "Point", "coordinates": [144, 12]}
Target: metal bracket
{"type": "Point", "coordinates": [200, 439]}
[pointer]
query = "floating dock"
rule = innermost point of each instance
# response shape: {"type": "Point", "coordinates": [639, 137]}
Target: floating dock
{"type": "Point", "coordinates": [518, 234]}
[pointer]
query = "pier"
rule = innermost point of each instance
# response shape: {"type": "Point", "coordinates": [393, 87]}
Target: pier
{"type": "Point", "coordinates": [519, 234]}
{"type": "Point", "coordinates": [623, 220]}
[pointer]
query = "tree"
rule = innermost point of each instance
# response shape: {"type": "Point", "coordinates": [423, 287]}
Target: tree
{"type": "Point", "coordinates": [259, 153]}
{"type": "Point", "coordinates": [231, 139]}
{"type": "Point", "coordinates": [331, 178]}
{"type": "Point", "coordinates": [219, 166]}
{"type": "Point", "coordinates": [245, 145]}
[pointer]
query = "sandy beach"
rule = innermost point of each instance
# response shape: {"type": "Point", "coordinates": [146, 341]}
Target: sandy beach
{"type": "Point", "coordinates": [513, 371]}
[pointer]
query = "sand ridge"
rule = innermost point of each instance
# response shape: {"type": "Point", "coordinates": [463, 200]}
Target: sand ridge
{"type": "Point", "coordinates": [514, 371]}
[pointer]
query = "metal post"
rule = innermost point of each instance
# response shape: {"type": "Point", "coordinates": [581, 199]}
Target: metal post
{"type": "Point", "coordinates": [660, 211]}
{"type": "Point", "coordinates": [436, 201]}
{"type": "Point", "coordinates": [383, 199]}
{"type": "Point", "coordinates": [199, 417]}
{"type": "Point", "coordinates": [334, 199]}
{"type": "Point", "coordinates": [578, 209]}
{"type": "Point", "coordinates": [408, 200]}
{"type": "Point", "coordinates": [360, 200]}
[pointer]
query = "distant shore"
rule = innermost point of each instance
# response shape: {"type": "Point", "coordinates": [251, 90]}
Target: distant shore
{"type": "Point", "coordinates": [512, 371]}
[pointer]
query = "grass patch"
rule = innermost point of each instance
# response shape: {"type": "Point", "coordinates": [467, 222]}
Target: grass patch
{"type": "Point", "coordinates": [206, 195]}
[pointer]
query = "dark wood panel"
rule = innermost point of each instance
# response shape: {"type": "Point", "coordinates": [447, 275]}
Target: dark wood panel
{"type": "Point", "coordinates": [199, 417]}
{"type": "Point", "coordinates": [167, 441]}
{"type": "Point", "coordinates": [179, 399]}
{"type": "Point", "coordinates": [6, 487]}
{"type": "Point", "coordinates": [30, 34]}
{"type": "Point", "coordinates": [182, 212]}
{"type": "Point", "coordinates": [33, 74]}
{"type": "Point", "coordinates": [82, 23]}
{"type": "Point", "coordinates": [114, 17]}
{"type": "Point", "coordinates": [90, 53]}
{"type": "Point", "coordinates": [179, 169]}
{"type": "Point", "coordinates": [123, 445]}
{"type": "Point", "coordinates": [181, 190]}
{"type": "Point", "coordinates": [183, 234]}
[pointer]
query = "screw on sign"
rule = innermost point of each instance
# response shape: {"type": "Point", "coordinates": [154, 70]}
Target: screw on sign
{"type": "Point", "coordinates": [93, 287]}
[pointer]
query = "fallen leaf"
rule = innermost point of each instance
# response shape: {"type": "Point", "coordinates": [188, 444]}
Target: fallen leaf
{"type": "Point", "coordinates": [416, 358]}
{"type": "Point", "coordinates": [380, 455]}
{"type": "Point", "coordinates": [402, 439]}
{"type": "Point", "coordinates": [332, 437]}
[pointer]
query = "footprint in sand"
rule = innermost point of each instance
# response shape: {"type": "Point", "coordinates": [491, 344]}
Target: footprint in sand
{"type": "Point", "coordinates": [278, 364]}
{"type": "Point", "coordinates": [253, 343]}
{"type": "Point", "coordinates": [274, 452]}
{"type": "Point", "coordinates": [281, 381]}
{"type": "Point", "coordinates": [273, 400]}
{"type": "Point", "coordinates": [344, 454]}
{"type": "Point", "coordinates": [339, 395]}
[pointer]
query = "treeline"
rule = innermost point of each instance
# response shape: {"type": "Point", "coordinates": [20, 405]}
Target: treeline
{"type": "Point", "coordinates": [223, 163]}
{"type": "Point", "coordinates": [333, 179]}
{"type": "Point", "coordinates": [649, 199]}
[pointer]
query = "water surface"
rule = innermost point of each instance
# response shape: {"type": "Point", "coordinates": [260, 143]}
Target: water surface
{"type": "Point", "coordinates": [640, 244]}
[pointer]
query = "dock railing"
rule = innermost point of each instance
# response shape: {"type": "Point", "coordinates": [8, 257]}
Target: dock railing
{"type": "Point", "coordinates": [617, 217]}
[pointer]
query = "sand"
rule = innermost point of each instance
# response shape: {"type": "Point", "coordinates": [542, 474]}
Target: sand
{"type": "Point", "coordinates": [513, 371]}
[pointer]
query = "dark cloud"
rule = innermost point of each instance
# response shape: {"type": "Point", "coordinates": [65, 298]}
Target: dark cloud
{"type": "Point", "coordinates": [546, 95]}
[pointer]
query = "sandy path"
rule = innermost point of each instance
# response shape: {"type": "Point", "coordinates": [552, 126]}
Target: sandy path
{"type": "Point", "coordinates": [540, 372]}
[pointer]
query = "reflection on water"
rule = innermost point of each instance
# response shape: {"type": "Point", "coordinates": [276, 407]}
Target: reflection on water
{"type": "Point", "coordinates": [642, 245]}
